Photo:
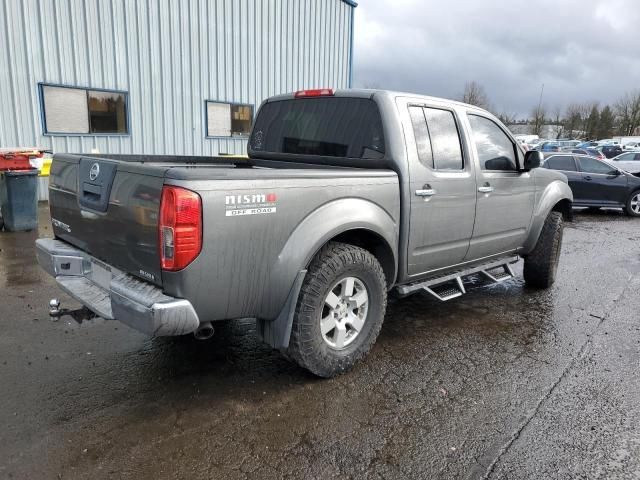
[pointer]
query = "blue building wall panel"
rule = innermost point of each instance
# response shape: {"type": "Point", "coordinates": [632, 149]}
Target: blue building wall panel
{"type": "Point", "coordinates": [170, 56]}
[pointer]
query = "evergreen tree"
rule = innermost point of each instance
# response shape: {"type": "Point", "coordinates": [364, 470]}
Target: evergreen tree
{"type": "Point", "coordinates": [606, 123]}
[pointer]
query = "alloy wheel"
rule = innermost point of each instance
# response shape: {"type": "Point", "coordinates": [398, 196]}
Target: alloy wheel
{"type": "Point", "coordinates": [344, 312]}
{"type": "Point", "coordinates": [635, 204]}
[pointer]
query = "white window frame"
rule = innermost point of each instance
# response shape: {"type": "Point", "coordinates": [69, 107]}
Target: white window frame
{"type": "Point", "coordinates": [230, 104]}
{"type": "Point", "coordinates": [43, 113]}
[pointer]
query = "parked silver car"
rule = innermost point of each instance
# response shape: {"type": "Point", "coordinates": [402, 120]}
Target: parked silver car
{"type": "Point", "coordinates": [628, 161]}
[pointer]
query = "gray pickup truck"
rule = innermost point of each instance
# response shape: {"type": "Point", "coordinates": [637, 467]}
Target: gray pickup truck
{"type": "Point", "coordinates": [345, 196]}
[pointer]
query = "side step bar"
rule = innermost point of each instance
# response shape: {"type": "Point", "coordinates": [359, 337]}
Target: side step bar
{"type": "Point", "coordinates": [447, 287]}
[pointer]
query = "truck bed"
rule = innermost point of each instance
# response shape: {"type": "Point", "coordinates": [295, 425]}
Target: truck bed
{"type": "Point", "coordinates": [114, 217]}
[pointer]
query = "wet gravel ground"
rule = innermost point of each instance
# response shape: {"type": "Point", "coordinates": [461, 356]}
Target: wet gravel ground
{"type": "Point", "coordinates": [503, 383]}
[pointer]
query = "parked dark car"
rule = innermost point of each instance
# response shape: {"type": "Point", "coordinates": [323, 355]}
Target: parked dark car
{"type": "Point", "coordinates": [550, 147]}
{"type": "Point", "coordinates": [587, 144]}
{"type": "Point", "coordinates": [557, 145]}
{"type": "Point", "coordinates": [611, 151]}
{"type": "Point", "coordinates": [591, 152]}
{"type": "Point", "coordinates": [597, 183]}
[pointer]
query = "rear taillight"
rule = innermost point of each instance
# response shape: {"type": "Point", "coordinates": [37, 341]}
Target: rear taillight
{"type": "Point", "coordinates": [318, 92]}
{"type": "Point", "coordinates": [180, 227]}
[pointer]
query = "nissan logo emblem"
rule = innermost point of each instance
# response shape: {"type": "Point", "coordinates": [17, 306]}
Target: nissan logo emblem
{"type": "Point", "coordinates": [94, 172]}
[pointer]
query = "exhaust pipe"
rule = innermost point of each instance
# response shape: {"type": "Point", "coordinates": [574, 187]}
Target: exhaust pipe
{"type": "Point", "coordinates": [204, 331]}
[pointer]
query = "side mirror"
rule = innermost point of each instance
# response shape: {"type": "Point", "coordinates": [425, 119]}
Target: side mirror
{"type": "Point", "coordinates": [615, 173]}
{"type": "Point", "coordinates": [532, 159]}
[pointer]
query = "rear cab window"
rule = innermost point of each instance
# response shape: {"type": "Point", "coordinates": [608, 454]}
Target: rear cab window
{"type": "Point", "coordinates": [341, 127]}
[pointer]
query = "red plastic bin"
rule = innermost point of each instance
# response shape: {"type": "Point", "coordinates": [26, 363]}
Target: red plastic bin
{"type": "Point", "coordinates": [18, 158]}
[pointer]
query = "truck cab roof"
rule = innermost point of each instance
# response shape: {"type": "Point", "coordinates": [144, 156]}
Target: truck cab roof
{"type": "Point", "coordinates": [376, 93]}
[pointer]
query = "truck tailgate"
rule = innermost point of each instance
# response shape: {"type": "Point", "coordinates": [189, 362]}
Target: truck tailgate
{"type": "Point", "coordinates": [109, 209]}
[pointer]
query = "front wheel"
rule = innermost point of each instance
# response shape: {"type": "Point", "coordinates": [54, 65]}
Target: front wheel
{"type": "Point", "coordinates": [633, 205]}
{"type": "Point", "coordinates": [541, 265]}
{"type": "Point", "coordinates": [340, 310]}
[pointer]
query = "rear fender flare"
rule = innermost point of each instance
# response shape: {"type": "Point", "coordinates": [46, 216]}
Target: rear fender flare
{"type": "Point", "coordinates": [327, 222]}
{"type": "Point", "coordinates": [318, 228]}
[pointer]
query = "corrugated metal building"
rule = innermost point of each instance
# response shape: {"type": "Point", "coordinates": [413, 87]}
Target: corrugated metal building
{"type": "Point", "coordinates": [160, 76]}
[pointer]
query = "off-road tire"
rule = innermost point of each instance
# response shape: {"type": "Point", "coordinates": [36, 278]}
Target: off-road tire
{"type": "Point", "coordinates": [306, 345]}
{"type": "Point", "coordinates": [627, 209]}
{"type": "Point", "coordinates": [541, 265]}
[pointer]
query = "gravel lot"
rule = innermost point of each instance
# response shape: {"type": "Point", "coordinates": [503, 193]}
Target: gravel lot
{"type": "Point", "coordinates": [505, 382]}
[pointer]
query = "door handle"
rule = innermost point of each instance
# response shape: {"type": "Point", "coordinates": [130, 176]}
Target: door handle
{"type": "Point", "coordinates": [587, 177]}
{"type": "Point", "coordinates": [426, 191]}
{"type": "Point", "coordinates": [486, 188]}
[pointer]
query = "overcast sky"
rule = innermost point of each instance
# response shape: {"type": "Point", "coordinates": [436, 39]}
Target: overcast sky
{"type": "Point", "coordinates": [582, 50]}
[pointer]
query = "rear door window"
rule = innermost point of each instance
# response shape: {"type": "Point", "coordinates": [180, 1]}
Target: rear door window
{"type": "Point", "coordinates": [437, 138]}
{"type": "Point", "coordinates": [324, 126]}
{"type": "Point", "coordinates": [421, 134]}
{"type": "Point", "coordinates": [562, 162]}
{"type": "Point", "coordinates": [591, 165]}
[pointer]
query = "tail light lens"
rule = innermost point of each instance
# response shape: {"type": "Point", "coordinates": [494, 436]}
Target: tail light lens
{"type": "Point", "coordinates": [180, 227]}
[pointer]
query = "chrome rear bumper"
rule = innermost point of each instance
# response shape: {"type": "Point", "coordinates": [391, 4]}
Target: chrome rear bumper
{"type": "Point", "coordinates": [113, 294]}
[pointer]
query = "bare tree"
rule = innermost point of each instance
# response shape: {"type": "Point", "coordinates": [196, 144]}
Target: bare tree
{"type": "Point", "coordinates": [585, 110]}
{"type": "Point", "coordinates": [572, 119]}
{"type": "Point", "coordinates": [474, 94]}
{"type": "Point", "coordinates": [507, 118]}
{"type": "Point", "coordinates": [557, 120]}
{"type": "Point", "coordinates": [538, 116]}
{"type": "Point", "coordinates": [627, 111]}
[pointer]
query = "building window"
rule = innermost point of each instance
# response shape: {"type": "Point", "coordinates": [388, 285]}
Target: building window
{"type": "Point", "coordinates": [228, 119]}
{"type": "Point", "coordinates": [84, 111]}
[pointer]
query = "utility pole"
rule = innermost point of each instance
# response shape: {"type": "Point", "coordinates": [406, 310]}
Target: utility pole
{"type": "Point", "coordinates": [540, 102]}
{"type": "Point", "coordinates": [538, 119]}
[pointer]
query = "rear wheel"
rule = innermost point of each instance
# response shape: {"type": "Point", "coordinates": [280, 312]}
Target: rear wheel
{"type": "Point", "coordinates": [633, 205]}
{"type": "Point", "coordinates": [541, 265]}
{"type": "Point", "coordinates": [340, 310]}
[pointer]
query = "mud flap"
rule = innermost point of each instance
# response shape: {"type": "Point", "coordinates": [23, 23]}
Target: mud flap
{"type": "Point", "coordinates": [277, 332]}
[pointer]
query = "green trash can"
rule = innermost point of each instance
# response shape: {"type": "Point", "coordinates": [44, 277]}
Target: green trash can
{"type": "Point", "coordinates": [19, 200]}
